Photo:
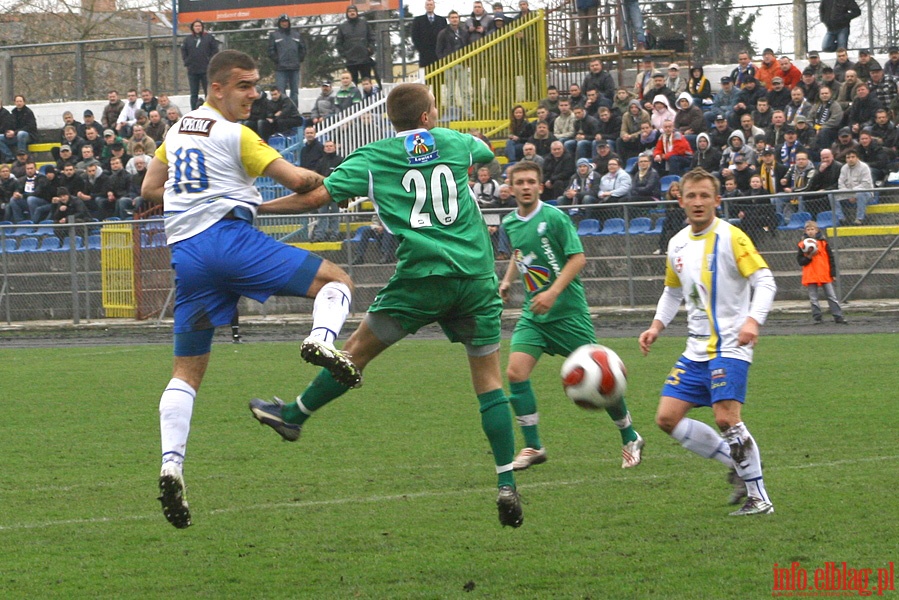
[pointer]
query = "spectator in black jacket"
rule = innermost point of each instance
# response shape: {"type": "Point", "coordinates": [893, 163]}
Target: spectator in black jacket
{"type": "Point", "coordinates": [282, 115]}
{"type": "Point", "coordinates": [599, 80]}
{"type": "Point", "coordinates": [287, 51]}
{"type": "Point", "coordinates": [836, 16]}
{"type": "Point", "coordinates": [872, 153]}
{"type": "Point", "coordinates": [30, 194]}
{"type": "Point", "coordinates": [118, 185]}
{"type": "Point", "coordinates": [21, 128]}
{"type": "Point", "coordinates": [356, 45]}
{"type": "Point", "coordinates": [66, 205]}
{"type": "Point", "coordinates": [196, 51]}
{"type": "Point", "coordinates": [328, 228]}
{"type": "Point", "coordinates": [558, 168]}
{"type": "Point", "coordinates": [94, 193]}
{"type": "Point", "coordinates": [707, 156]}
{"type": "Point", "coordinates": [312, 150]}
{"type": "Point", "coordinates": [863, 109]}
{"type": "Point", "coordinates": [425, 30]}
{"type": "Point", "coordinates": [6, 124]}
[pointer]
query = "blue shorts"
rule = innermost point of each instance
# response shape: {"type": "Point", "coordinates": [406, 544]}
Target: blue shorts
{"type": "Point", "coordinates": [705, 383]}
{"type": "Point", "coordinates": [213, 269]}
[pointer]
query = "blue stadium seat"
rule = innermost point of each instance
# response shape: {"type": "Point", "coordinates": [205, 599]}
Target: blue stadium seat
{"type": "Point", "coordinates": [278, 142]}
{"type": "Point", "coordinates": [9, 245]}
{"type": "Point", "coordinates": [21, 231]}
{"type": "Point", "coordinates": [639, 225]}
{"type": "Point", "coordinates": [657, 229]}
{"type": "Point", "coordinates": [825, 219]}
{"type": "Point", "coordinates": [667, 180]}
{"type": "Point", "coordinates": [67, 244]}
{"type": "Point", "coordinates": [612, 227]}
{"type": "Point", "coordinates": [553, 202]}
{"type": "Point", "coordinates": [797, 221]}
{"type": "Point", "coordinates": [44, 230]}
{"type": "Point", "coordinates": [630, 163]}
{"type": "Point", "coordinates": [50, 243]}
{"type": "Point", "coordinates": [588, 227]}
{"type": "Point", "coordinates": [93, 242]}
{"type": "Point", "coordinates": [28, 244]}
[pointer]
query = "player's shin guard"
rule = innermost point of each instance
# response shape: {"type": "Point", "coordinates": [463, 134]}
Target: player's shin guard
{"type": "Point", "coordinates": [698, 437]}
{"type": "Point", "coordinates": [323, 389]}
{"type": "Point", "coordinates": [524, 403]}
{"type": "Point", "coordinates": [747, 460]}
{"type": "Point", "coordinates": [329, 311]}
{"type": "Point", "coordinates": [175, 410]}
{"type": "Point", "coordinates": [622, 419]}
{"type": "Point", "coordinates": [496, 420]}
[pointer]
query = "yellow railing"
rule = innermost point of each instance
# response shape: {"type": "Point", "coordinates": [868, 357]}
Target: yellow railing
{"type": "Point", "coordinates": [117, 269]}
{"type": "Point", "coordinates": [478, 85]}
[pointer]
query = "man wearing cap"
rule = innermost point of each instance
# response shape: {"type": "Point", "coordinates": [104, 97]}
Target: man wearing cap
{"type": "Point", "coordinates": [582, 187]}
{"type": "Point", "coordinates": [809, 85]}
{"type": "Point", "coordinates": [845, 142]}
{"type": "Point", "coordinates": [787, 151]}
{"type": "Point", "coordinates": [425, 30]}
{"type": "Point", "coordinates": [324, 105]}
{"type": "Point", "coordinates": [815, 64]}
{"type": "Point", "coordinates": [865, 64]}
{"type": "Point", "coordinates": [769, 68]}
{"type": "Point", "coordinates": [720, 133]}
{"type": "Point", "coordinates": [197, 50]}
{"type": "Point", "coordinates": [778, 95]}
{"type": "Point", "coordinates": [675, 82]}
{"type": "Point", "coordinates": [658, 88]}
{"type": "Point", "coordinates": [891, 67]}
{"type": "Point", "coordinates": [356, 45]}
{"type": "Point", "coordinates": [829, 80]}
{"type": "Point", "coordinates": [722, 102]}
{"type": "Point", "coordinates": [644, 77]}
{"type": "Point", "coordinates": [836, 16]}
{"type": "Point", "coordinates": [744, 70]}
{"type": "Point", "coordinates": [287, 51]}
{"type": "Point", "coordinates": [66, 205]}
{"type": "Point", "coordinates": [882, 85]}
{"type": "Point", "coordinates": [90, 123]}
{"type": "Point", "coordinates": [66, 157]}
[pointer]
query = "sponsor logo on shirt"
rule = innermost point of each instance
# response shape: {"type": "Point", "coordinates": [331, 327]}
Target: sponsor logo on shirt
{"type": "Point", "coordinates": [195, 126]}
{"type": "Point", "coordinates": [421, 147]}
{"type": "Point", "coordinates": [535, 277]}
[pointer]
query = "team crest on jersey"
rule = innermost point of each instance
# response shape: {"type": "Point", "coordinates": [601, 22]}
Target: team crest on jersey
{"type": "Point", "coordinates": [421, 147]}
{"type": "Point", "coordinates": [678, 263]}
{"type": "Point", "coordinates": [541, 228]}
{"type": "Point", "coordinates": [195, 126]}
{"type": "Point", "coordinates": [535, 276]}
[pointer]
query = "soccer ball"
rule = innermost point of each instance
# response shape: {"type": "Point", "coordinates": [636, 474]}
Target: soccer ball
{"type": "Point", "coordinates": [594, 377]}
{"type": "Point", "coordinates": [809, 246]}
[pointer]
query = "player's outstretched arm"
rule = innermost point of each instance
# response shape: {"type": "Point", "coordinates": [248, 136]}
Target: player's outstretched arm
{"type": "Point", "coordinates": [294, 178]}
{"type": "Point", "coordinates": [296, 203]}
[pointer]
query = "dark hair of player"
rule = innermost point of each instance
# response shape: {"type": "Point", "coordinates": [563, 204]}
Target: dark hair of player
{"type": "Point", "coordinates": [406, 103]}
{"type": "Point", "coordinates": [222, 63]}
{"type": "Point", "coordinates": [524, 166]}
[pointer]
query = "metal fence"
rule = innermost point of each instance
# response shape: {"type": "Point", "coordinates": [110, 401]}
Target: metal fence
{"type": "Point", "coordinates": [86, 272]}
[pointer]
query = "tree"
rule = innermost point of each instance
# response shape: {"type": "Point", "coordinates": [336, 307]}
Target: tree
{"type": "Point", "coordinates": [719, 30]}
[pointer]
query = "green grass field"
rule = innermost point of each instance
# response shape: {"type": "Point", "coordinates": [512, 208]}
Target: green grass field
{"type": "Point", "coordinates": [390, 491]}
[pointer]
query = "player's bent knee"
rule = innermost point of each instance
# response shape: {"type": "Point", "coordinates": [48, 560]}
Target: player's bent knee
{"type": "Point", "coordinates": [667, 422]}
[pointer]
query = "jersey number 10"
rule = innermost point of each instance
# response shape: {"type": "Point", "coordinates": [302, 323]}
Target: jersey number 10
{"type": "Point", "coordinates": [446, 210]}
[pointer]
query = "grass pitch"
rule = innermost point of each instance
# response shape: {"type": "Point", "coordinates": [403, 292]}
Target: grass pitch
{"type": "Point", "coordinates": [390, 491]}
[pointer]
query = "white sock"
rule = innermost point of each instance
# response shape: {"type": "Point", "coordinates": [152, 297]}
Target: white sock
{"type": "Point", "coordinates": [175, 409]}
{"type": "Point", "coordinates": [749, 468]}
{"type": "Point", "coordinates": [329, 311]}
{"type": "Point", "coordinates": [698, 437]}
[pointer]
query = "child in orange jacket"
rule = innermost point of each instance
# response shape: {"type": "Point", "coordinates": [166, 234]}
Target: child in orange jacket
{"type": "Point", "coordinates": [818, 271]}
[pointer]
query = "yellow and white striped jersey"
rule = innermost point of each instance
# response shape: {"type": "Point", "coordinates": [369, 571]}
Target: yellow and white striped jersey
{"type": "Point", "coordinates": [712, 270]}
{"type": "Point", "coordinates": [212, 165]}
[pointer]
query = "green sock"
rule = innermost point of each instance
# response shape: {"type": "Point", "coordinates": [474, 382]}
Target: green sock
{"type": "Point", "coordinates": [524, 403]}
{"type": "Point", "coordinates": [496, 420]}
{"type": "Point", "coordinates": [622, 420]}
{"type": "Point", "coordinates": [322, 390]}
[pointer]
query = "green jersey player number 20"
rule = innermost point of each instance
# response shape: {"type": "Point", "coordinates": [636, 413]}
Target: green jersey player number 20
{"type": "Point", "coordinates": [445, 209]}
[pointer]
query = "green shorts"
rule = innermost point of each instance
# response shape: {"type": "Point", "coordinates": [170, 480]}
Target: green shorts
{"type": "Point", "coordinates": [468, 310]}
{"type": "Point", "coordinates": [562, 336]}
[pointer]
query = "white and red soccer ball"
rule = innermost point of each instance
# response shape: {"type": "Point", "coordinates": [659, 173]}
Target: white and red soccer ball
{"type": "Point", "coordinates": [594, 377]}
{"type": "Point", "coordinates": [809, 246]}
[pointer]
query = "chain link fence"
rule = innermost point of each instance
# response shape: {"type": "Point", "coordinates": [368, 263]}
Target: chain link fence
{"type": "Point", "coordinates": [91, 271]}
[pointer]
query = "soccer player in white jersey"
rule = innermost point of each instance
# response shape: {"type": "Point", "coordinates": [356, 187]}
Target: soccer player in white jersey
{"type": "Point", "coordinates": [204, 173]}
{"type": "Point", "coordinates": [728, 289]}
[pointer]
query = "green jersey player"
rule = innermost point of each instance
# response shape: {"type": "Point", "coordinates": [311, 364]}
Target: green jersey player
{"type": "Point", "coordinates": [555, 319]}
{"type": "Point", "coordinates": [418, 182]}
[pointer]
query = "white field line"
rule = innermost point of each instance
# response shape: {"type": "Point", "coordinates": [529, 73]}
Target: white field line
{"type": "Point", "coordinates": [413, 495]}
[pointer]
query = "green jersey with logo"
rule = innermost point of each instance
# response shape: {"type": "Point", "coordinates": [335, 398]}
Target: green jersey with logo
{"type": "Point", "coordinates": [418, 182]}
{"type": "Point", "coordinates": [541, 244]}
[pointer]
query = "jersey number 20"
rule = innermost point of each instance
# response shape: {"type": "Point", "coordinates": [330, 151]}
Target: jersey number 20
{"type": "Point", "coordinates": [190, 171]}
{"type": "Point", "coordinates": [446, 210]}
